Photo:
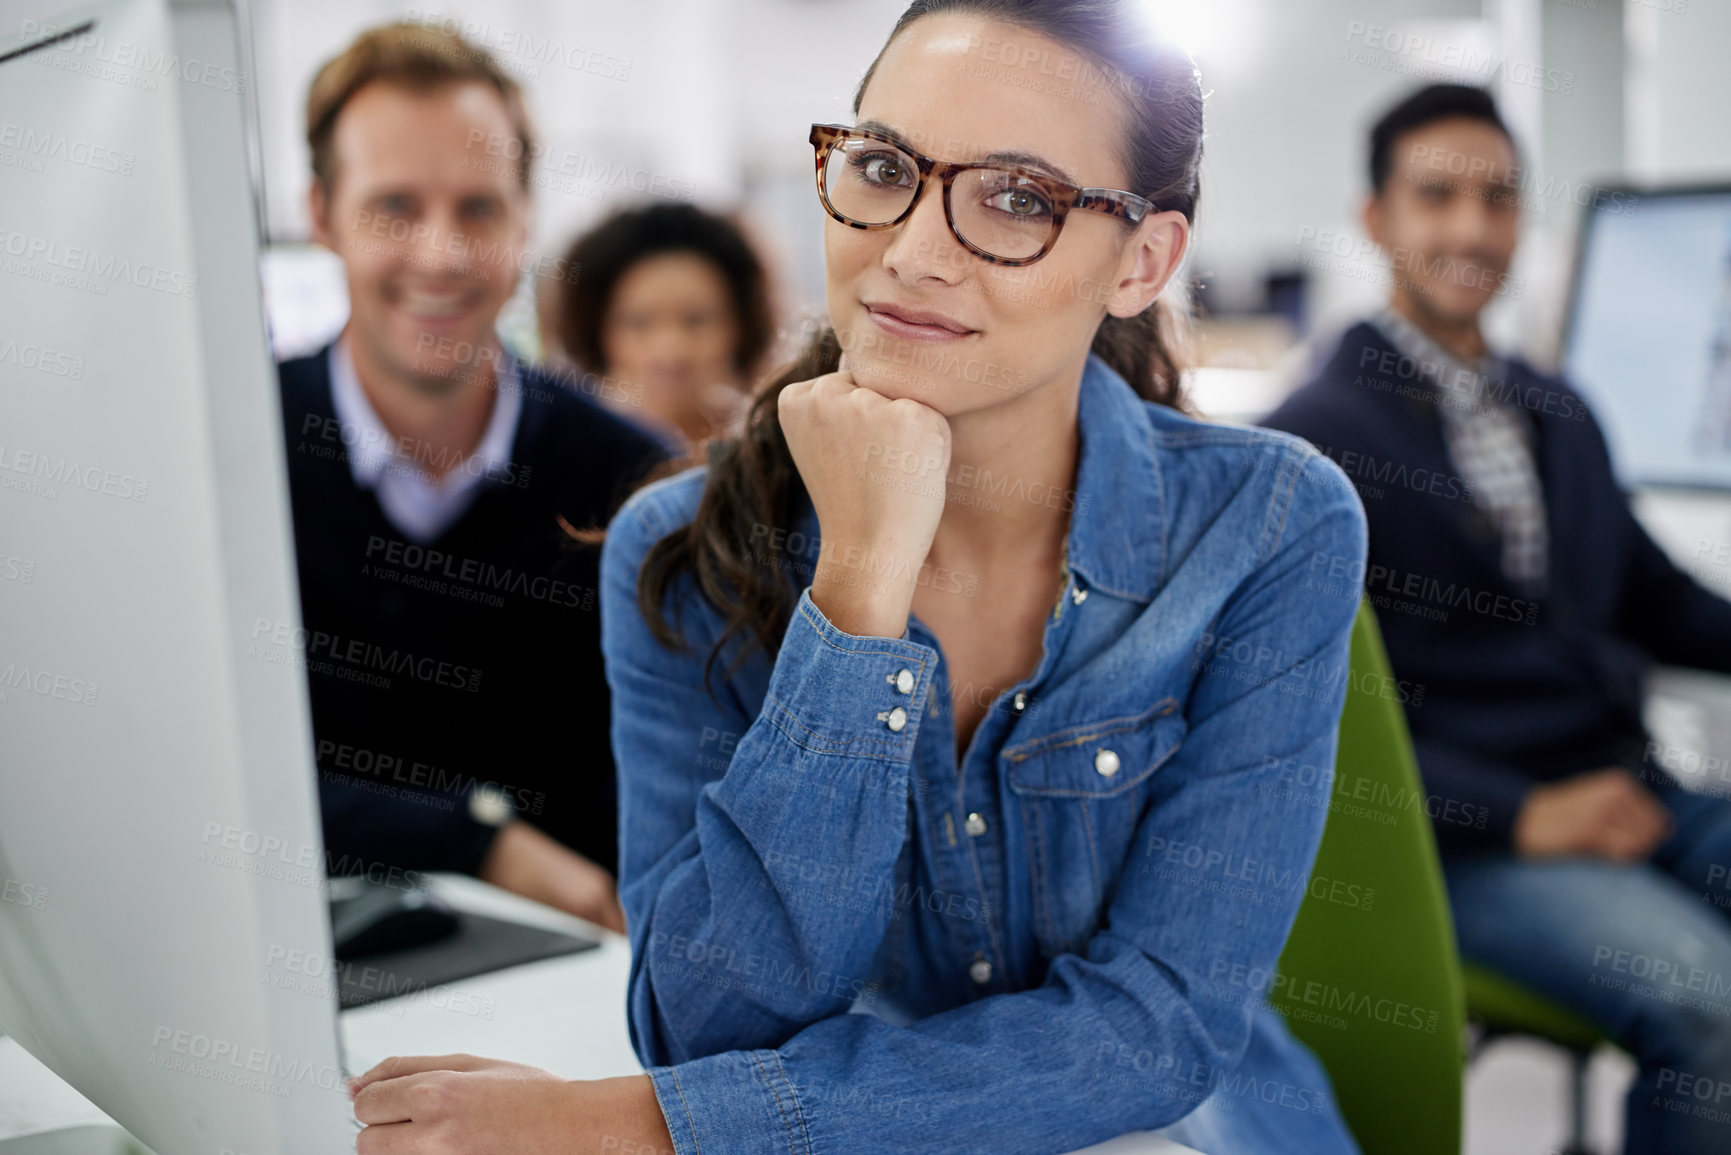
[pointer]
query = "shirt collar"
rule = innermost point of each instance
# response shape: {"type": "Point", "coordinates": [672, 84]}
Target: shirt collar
{"type": "Point", "coordinates": [1462, 386]}
{"type": "Point", "coordinates": [1117, 541]}
{"type": "Point", "coordinates": [371, 448]}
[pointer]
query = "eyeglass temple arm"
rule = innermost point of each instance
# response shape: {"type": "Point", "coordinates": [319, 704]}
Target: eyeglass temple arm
{"type": "Point", "coordinates": [1115, 202]}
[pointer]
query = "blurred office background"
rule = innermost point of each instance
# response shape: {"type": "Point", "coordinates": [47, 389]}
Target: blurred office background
{"type": "Point", "coordinates": [710, 100]}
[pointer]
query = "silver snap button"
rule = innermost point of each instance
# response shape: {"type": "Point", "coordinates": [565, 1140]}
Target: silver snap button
{"type": "Point", "coordinates": [975, 825]}
{"type": "Point", "coordinates": [895, 719]}
{"type": "Point", "coordinates": [1021, 701]}
{"type": "Point", "coordinates": [981, 971]}
{"type": "Point", "coordinates": [904, 681]}
{"type": "Point", "coordinates": [1106, 762]}
{"type": "Point", "coordinates": [1078, 595]}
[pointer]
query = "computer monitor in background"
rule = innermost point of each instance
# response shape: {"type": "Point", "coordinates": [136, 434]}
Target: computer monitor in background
{"type": "Point", "coordinates": [160, 854]}
{"type": "Point", "coordinates": [1649, 335]}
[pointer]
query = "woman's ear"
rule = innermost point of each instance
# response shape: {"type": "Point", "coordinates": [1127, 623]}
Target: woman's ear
{"type": "Point", "coordinates": [1153, 254]}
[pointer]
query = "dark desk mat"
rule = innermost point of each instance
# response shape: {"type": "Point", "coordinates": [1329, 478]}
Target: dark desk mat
{"type": "Point", "coordinates": [481, 946]}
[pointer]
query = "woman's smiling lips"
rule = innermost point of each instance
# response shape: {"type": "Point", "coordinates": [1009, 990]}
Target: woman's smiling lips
{"type": "Point", "coordinates": [917, 324]}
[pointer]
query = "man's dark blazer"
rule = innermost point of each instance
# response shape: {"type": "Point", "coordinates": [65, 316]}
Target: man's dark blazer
{"type": "Point", "coordinates": [473, 661]}
{"type": "Point", "coordinates": [1507, 690]}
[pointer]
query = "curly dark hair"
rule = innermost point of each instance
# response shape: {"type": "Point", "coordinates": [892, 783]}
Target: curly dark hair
{"type": "Point", "coordinates": [606, 252]}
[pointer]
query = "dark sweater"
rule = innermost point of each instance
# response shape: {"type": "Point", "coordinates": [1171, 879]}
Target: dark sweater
{"type": "Point", "coordinates": [1508, 691]}
{"type": "Point", "coordinates": [473, 661]}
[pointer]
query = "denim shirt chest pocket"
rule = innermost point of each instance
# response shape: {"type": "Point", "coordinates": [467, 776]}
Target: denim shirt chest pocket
{"type": "Point", "coordinates": [1082, 792]}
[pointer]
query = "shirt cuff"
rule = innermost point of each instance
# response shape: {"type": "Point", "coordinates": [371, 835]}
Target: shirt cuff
{"type": "Point", "coordinates": [739, 1102]}
{"type": "Point", "coordinates": [834, 692]}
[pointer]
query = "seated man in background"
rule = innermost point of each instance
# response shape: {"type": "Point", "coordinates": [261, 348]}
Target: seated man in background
{"type": "Point", "coordinates": [460, 712]}
{"type": "Point", "coordinates": [1514, 585]}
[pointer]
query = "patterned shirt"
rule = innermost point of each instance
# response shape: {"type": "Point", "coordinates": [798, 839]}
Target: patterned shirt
{"type": "Point", "coordinates": [1490, 443]}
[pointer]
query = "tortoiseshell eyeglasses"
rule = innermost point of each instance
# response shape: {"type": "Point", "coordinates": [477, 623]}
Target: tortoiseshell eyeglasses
{"type": "Point", "coordinates": [1003, 213]}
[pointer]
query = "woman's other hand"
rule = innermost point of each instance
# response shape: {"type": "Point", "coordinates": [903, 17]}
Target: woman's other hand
{"type": "Point", "coordinates": [462, 1105]}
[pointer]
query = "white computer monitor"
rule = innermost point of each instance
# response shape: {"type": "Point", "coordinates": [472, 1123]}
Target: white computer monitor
{"type": "Point", "coordinates": [1649, 335]}
{"type": "Point", "coordinates": [160, 854]}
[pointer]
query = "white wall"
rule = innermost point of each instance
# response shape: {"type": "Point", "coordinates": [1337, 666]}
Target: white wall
{"type": "Point", "coordinates": [720, 93]}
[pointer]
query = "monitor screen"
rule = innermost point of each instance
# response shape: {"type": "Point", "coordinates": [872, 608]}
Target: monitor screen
{"type": "Point", "coordinates": [1649, 341]}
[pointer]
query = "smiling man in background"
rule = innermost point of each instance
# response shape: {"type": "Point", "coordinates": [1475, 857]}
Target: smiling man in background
{"type": "Point", "coordinates": [452, 643]}
{"type": "Point", "coordinates": [1513, 583]}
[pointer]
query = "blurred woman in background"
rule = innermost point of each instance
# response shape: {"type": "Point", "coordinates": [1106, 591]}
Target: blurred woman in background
{"type": "Point", "coordinates": [672, 303]}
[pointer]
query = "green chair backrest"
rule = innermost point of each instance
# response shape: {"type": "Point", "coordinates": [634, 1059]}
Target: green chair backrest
{"type": "Point", "coordinates": [1369, 979]}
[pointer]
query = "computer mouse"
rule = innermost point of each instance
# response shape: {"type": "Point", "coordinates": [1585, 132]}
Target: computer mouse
{"type": "Point", "coordinates": [383, 919]}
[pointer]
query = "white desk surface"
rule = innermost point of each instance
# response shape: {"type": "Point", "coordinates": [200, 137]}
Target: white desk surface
{"type": "Point", "coordinates": [566, 1015]}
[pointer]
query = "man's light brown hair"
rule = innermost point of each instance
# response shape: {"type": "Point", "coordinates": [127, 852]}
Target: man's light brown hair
{"type": "Point", "coordinates": [420, 58]}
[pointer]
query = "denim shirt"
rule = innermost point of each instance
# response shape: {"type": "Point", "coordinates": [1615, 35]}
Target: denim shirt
{"type": "Point", "coordinates": [842, 940]}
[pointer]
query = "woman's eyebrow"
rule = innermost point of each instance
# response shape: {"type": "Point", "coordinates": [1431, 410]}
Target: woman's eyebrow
{"type": "Point", "coordinates": [1002, 156]}
{"type": "Point", "coordinates": [1029, 160]}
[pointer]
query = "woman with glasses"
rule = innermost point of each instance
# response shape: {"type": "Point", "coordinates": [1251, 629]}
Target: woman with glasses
{"type": "Point", "coordinates": [959, 701]}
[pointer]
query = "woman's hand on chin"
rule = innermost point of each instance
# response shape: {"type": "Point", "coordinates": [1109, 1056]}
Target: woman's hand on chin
{"type": "Point", "coordinates": [875, 470]}
{"type": "Point", "coordinates": [461, 1105]}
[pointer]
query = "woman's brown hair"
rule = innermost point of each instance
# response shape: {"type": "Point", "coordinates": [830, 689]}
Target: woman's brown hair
{"type": "Point", "coordinates": [753, 486]}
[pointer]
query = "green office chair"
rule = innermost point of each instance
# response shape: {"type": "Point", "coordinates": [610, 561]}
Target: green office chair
{"type": "Point", "coordinates": [1369, 979]}
{"type": "Point", "coordinates": [1500, 1006]}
